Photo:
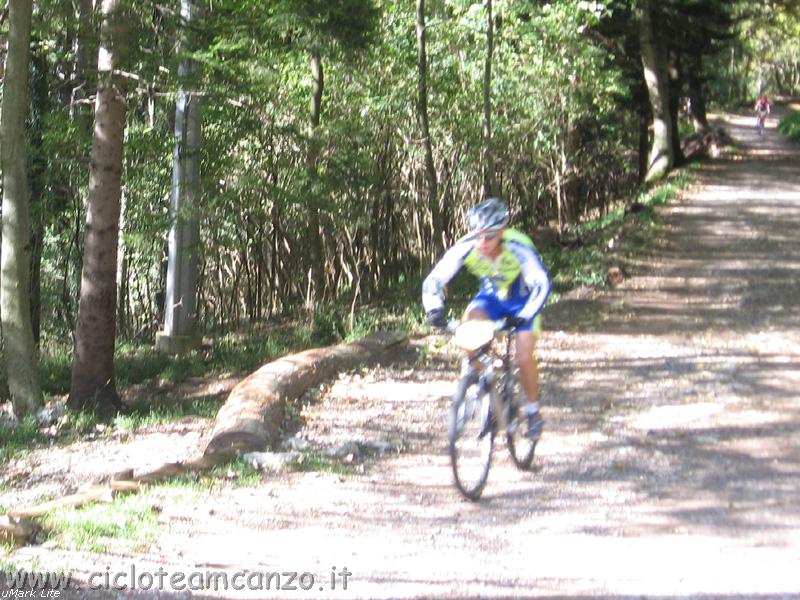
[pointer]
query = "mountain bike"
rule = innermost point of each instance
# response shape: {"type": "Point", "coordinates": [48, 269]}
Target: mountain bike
{"type": "Point", "coordinates": [760, 118]}
{"type": "Point", "coordinates": [488, 401]}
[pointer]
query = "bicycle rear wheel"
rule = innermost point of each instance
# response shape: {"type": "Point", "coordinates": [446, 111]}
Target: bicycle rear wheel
{"type": "Point", "coordinates": [470, 436]}
{"type": "Point", "coordinates": [520, 447]}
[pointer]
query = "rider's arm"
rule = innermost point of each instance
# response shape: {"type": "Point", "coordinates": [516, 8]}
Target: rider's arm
{"type": "Point", "coordinates": [536, 279]}
{"type": "Point", "coordinates": [442, 273]}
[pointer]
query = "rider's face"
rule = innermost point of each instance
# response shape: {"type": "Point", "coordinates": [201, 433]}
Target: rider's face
{"type": "Point", "coordinates": [488, 242]}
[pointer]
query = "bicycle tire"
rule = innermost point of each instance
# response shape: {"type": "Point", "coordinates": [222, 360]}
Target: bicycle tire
{"type": "Point", "coordinates": [520, 447]}
{"type": "Point", "coordinates": [470, 452]}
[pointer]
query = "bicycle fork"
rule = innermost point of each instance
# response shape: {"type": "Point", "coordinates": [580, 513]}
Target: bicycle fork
{"type": "Point", "coordinates": [499, 408]}
{"type": "Point", "coordinates": [497, 418]}
{"type": "Point", "coordinates": [484, 369]}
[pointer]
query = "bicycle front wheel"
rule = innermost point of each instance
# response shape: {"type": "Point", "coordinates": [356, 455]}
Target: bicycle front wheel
{"type": "Point", "coordinates": [520, 447]}
{"type": "Point", "coordinates": [471, 436]}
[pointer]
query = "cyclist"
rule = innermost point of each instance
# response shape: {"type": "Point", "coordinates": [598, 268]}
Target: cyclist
{"type": "Point", "coordinates": [514, 285]}
{"type": "Point", "coordinates": [762, 110]}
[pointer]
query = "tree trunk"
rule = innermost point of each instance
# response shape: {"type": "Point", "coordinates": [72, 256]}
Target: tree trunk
{"type": "Point", "coordinates": [37, 248]}
{"type": "Point", "coordinates": [489, 178]}
{"type": "Point", "coordinates": [437, 238]}
{"type": "Point", "coordinates": [644, 140]}
{"type": "Point", "coordinates": [314, 233]}
{"type": "Point", "coordinates": [40, 97]}
{"type": "Point", "coordinates": [660, 158]}
{"type": "Point", "coordinates": [15, 311]}
{"type": "Point", "coordinates": [184, 236]}
{"type": "Point", "coordinates": [93, 385]}
{"type": "Point", "coordinates": [674, 72]}
{"type": "Point", "coordinates": [697, 97]}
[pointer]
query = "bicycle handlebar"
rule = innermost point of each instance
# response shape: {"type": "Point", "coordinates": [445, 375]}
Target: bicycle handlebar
{"type": "Point", "coordinates": [499, 325]}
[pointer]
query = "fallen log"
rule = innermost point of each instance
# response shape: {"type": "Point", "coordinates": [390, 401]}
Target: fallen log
{"type": "Point", "coordinates": [250, 420]}
{"type": "Point", "coordinates": [95, 493]}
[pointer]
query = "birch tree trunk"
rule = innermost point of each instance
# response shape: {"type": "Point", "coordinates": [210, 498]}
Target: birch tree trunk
{"type": "Point", "coordinates": [93, 385]}
{"type": "Point", "coordinates": [184, 237]}
{"type": "Point", "coordinates": [15, 311]}
{"type": "Point", "coordinates": [489, 179]}
{"type": "Point", "coordinates": [660, 157]}
{"type": "Point", "coordinates": [437, 233]}
{"type": "Point", "coordinates": [317, 274]}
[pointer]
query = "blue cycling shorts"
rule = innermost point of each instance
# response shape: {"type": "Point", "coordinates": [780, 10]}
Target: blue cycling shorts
{"type": "Point", "coordinates": [497, 308]}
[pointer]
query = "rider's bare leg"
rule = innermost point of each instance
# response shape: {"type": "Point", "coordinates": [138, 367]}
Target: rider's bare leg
{"type": "Point", "coordinates": [529, 377]}
{"type": "Point", "coordinates": [528, 367]}
{"type": "Point", "coordinates": [474, 314]}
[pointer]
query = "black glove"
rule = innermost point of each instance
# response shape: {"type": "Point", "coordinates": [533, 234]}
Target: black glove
{"type": "Point", "coordinates": [512, 322]}
{"type": "Point", "coordinates": [436, 318]}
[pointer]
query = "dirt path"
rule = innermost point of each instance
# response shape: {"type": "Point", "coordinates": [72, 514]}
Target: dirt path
{"type": "Point", "coordinates": [670, 465]}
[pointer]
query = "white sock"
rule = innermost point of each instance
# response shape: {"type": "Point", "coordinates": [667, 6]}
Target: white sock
{"type": "Point", "coordinates": [532, 408]}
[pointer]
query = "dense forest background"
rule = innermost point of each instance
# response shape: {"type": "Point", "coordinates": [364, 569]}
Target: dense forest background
{"type": "Point", "coordinates": [315, 152]}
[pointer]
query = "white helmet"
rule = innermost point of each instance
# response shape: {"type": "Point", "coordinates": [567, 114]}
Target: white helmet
{"type": "Point", "coordinates": [492, 213]}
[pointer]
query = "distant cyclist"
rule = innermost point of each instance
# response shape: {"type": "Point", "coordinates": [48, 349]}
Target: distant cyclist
{"type": "Point", "coordinates": [761, 108]}
{"type": "Point", "coordinates": [514, 287]}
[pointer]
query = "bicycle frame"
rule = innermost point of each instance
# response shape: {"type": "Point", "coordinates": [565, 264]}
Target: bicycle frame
{"type": "Point", "coordinates": [486, 370]}
{"type": "Point", "coordinates": [490, 364]}
{"type": "Point", "coordinates": [761, 117]}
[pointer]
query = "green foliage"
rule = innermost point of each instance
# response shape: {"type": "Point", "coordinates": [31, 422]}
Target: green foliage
{"type": "Point", "coordinates": [6, 565]}
{"type": "Point", "coordinates": [587, 263]}
{"type": "Point", "coordinates": [55, 370]}
{"type": "Point", "coordinates": [326, 327]}
{"type": "Point", "coordinates": [407, 318]}
{"type": "Point", "coordinates": [138, 416]}
{"type": "Point", "coordinates": [574, 268]}
{"type": "Point", "coordinates": [229, 353]}
{"type": "Point", "coordinates": [158, 412]}
{"type": "Point", "coordinates": [351, 23]}
{"type": "Point", "coordinates": [761, 55]}
{"type": "Point", "coordinates": [81, 423]}
{"type": "Point", "coordinates": [314, 461]}
{"type": "Point", "coordinates": [666, 191]}
{"type": "Point", "coordinates": [789, 126]}
{"type": "Point", "coordinates": [134, 364]}
{"type": "Point", "coordinates": [236, 473]}
{"type": "Point", "coordinates": [17, 441]}
{"type": "Point", "coordinates": [129, 523]}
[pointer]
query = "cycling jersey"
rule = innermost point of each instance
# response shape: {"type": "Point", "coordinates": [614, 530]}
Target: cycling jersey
{"type": "Point", "coordinates": [517, 273]}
